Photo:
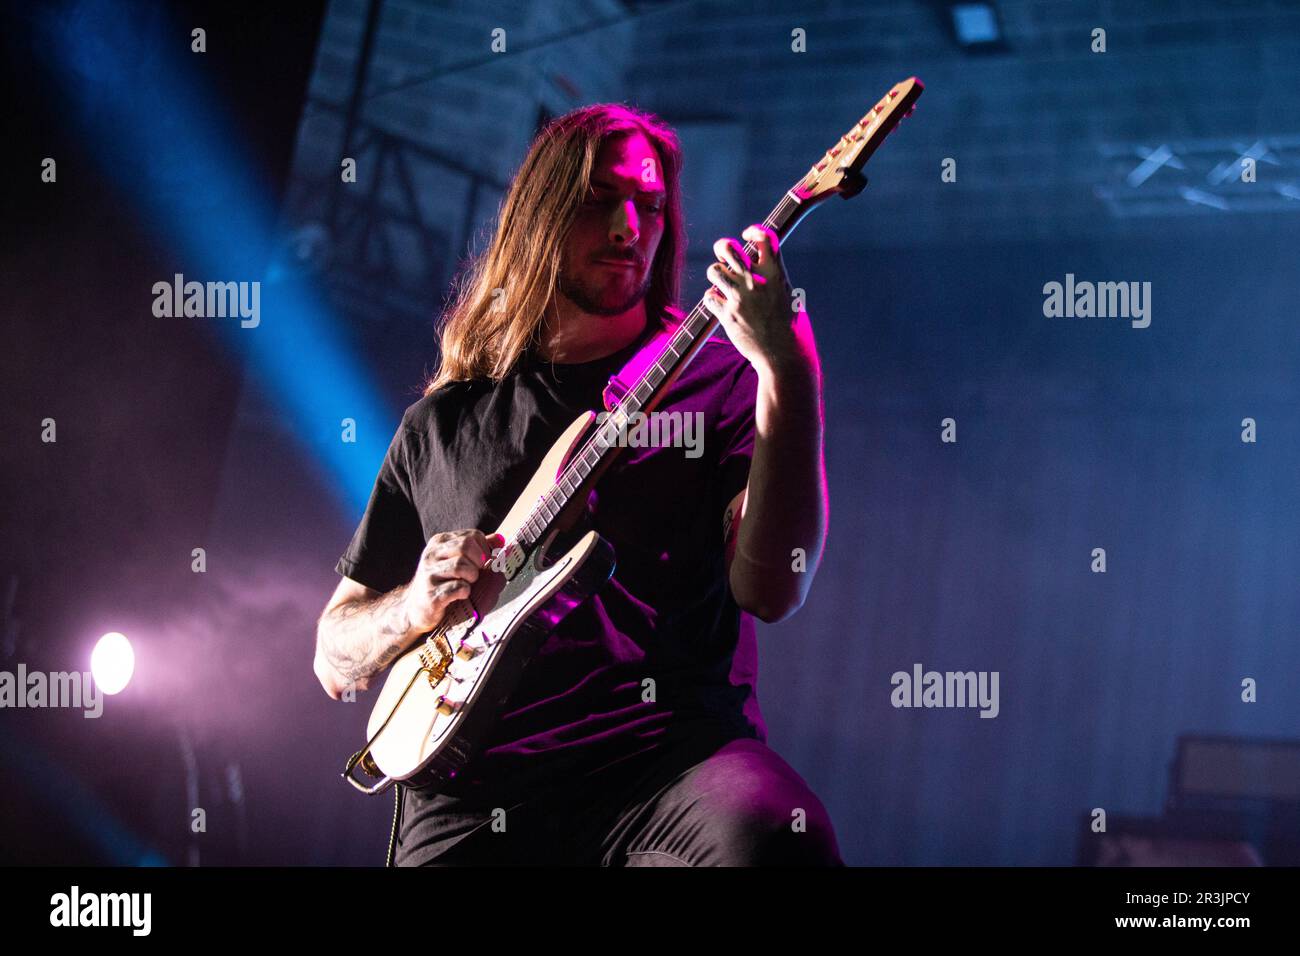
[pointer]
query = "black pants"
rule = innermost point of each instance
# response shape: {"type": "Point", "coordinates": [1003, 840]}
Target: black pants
{"type": "Point", "coordinates": [734, 803]}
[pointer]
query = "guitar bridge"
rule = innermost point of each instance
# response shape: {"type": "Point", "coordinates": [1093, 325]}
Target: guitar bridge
{"type": "Point", "coordinates": [435, 657]}
{"type": "Point", "coordinates": [438, 653]}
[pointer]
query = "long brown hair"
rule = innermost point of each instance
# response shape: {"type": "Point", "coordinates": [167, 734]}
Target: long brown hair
{"type": "Point", "coordinates": [483, 336]}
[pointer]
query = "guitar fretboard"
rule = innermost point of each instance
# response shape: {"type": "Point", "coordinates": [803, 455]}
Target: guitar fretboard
{"type": "Point", "coordinates": [680, 350]}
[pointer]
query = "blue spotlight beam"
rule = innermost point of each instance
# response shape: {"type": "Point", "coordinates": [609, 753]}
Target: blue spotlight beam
{"type": "Point", "coordinates": [168, 142]}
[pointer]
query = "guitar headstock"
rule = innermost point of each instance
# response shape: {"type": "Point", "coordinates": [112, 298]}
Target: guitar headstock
{"type": "Point", "coordinates": [839, 171]}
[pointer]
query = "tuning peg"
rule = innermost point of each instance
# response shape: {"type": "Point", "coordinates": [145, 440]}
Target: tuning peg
{"type": "Point", "coordinates": [851, 184]}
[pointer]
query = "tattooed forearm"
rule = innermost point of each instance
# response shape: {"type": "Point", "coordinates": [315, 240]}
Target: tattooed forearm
{"type": "Point", "coordinates": [363, 631]}
{"type": "Point", "coordinates": [360, 638]}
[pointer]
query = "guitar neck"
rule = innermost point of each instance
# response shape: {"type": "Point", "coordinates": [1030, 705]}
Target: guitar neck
{"type": "Point", "coordinates": [838, 172]}
{"type": "Point", "coordinates": [586, 464]}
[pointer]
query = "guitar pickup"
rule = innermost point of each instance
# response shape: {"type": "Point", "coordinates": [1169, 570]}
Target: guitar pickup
{"type": "Point", "coordinates": [468, 617]}
{"type": "Point", "coordinates": [448, 707]}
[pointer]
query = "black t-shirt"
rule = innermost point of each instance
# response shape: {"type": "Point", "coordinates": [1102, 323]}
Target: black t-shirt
{"type": "Point", "coordinates": [462, 456]}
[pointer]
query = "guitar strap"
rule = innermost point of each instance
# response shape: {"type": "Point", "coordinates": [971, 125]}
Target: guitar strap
{"type": "Point", "coordinates": [621, 382]}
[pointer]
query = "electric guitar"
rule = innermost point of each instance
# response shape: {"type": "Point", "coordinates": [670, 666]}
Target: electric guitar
{"type": "Point", "coordinates": [442, 696]}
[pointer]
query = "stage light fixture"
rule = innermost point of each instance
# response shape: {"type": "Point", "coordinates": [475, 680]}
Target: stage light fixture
{"type": "Point", "coordinates": [112, 662]}
{"type": "Point", "coordinates": [976, 24]}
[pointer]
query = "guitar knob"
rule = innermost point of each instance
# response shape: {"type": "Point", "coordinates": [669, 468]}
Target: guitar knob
{"type": "Point", "coordinates": [447, 707]}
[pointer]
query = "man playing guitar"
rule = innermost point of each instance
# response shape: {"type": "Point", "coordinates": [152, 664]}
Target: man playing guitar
{"type": "Point", "coordinates": [634, 737]}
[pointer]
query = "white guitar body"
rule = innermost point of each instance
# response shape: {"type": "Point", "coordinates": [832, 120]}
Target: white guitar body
{"type": "Point", "coordinates": [439, 697]}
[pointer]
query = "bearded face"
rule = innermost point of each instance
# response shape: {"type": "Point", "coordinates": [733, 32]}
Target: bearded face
{"type": "Point", "coordinates": [616, 232]}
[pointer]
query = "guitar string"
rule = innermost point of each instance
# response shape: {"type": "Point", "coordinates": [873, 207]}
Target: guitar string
{"type": "Point", "coordinates": [534, 525]}
{"type": "Point", "coordinates": [527, 532]}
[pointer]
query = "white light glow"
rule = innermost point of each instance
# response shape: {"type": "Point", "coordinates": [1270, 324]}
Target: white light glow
{"type": "Point", "coordinates": [112, 662]}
